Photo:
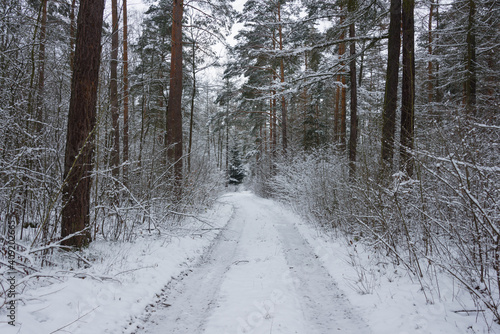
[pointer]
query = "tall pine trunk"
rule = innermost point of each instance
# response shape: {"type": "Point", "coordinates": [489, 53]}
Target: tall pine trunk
{"type": "Point", "coordinates": [174, 115]}
{"type": "Point", "coordinates": [391, 89]}
{"type": "Point", "coordinates": [284, 138]}
{"type": "Point", "coordinates": [115, 131]}
{"type": "Point", "coordinates": [78, 160]}
{"type": "Point", "coordinates": [353, 137]}
{"type": "Point", "coordinates": [408, 88]}
{"type": "Point", "coordinates": [191, 116]}
{"type": "Point", "coordinates": [125, 94]}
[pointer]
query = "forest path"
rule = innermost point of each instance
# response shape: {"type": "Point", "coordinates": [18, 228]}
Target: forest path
{"type": "Point", "coordinates": [260, 276]}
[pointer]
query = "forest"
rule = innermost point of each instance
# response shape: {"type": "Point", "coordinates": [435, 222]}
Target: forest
{"type": "Point", "coordinates": [377, 121]}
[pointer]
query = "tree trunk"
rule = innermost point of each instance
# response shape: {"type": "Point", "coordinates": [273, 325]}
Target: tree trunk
{"type": "Point", "coordinates": [430, 76]}
{"type": "Point", "coordinates": [273, 106]}
{"type": "Point", "coordinates": [336, 114]}
{"type": "Point", "coordinates": [191, 118]}
{"type": "Point", "coordinates": [471, 76]}
{"type": "Point", "coordinates": [282, 77]}
{"type": "Point", "coordinates": [361, 64]}
{"type": "Point", "coordinates": [271, 130]}
{"type": "Point", "coordinates": [72, 33]}
{"type": "Point", "coordinates": [438, 92]}
{"type": "Point", "coordinates": [174, 115]}
{"type": "Point", "coordinates": [391, 89]}
{"type": "Point", "coordinates": [408, 88]}
{"type": "Point", "coordinates": [353, 137]}
{"type": "Point", "coordinates": [115, 130]}
{"type": "Point", "coordinates": [343, 104]}
{"type": "Point", "coordinates": [343, 113]}
{"type": "Point", "coordinates": [227, 143]}
{"type": "Point", "coordinates": [125, 94]}
{"type": "Point", "coordinates": [81, 124]}
{"type": "Point", "coordinates": [41, 69]}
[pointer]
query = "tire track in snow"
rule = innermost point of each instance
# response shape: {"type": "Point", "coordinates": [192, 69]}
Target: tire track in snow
{"type": "Point", "coordinates": [186, 301]}
{"type": "Point", "coordinates": [260, 276]}
{"type": "Point", "coordinates": [324, 304]}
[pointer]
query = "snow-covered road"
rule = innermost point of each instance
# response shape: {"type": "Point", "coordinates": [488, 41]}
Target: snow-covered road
{"type": "Point", "coordinates": [246, 265]}
{"type": "Point", "coordinates": [260, 276]}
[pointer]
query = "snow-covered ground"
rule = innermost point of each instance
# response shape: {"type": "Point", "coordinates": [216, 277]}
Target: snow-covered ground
{"type": "Point", "coordinates": [259, 268]}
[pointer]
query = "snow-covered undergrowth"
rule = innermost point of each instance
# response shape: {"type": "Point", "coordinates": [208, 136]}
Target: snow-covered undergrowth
{"type": "Point", "coordinates": [391, 299]}
{"type": "Point", "coordinates": [438, 230]}
{"type": "Point", "coordinates": [109, 283]}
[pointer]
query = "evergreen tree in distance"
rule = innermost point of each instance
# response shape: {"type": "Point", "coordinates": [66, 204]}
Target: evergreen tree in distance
{"type": "Point", "coordinates": [236, 169]}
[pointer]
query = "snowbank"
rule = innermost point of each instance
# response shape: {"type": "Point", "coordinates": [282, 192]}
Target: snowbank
{"type": "Point", "coordinates": [121, 280]}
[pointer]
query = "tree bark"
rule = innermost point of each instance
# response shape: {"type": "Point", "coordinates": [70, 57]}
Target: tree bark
{"type": "Point", "coordinates": [336, 113]}
{"type": "Point", "coordinates": [273, 106]}
{"type": "Point", "coordinates": [391, 89]}
{"type": "Point", "coordinates": [361, 64]}
{"type": "Point", "coordinates": [191, 117]}
{"type": "Point", "coordinates": [81, 124]}
{"type": "Point", "coordinates": [125, 94]}
{"type": "Point", "coordinates": [227, 139]}
{"type": "Point", "coordinates": [353, 137]}
{"type": "Point", "coordinates": [438, 95]}
{"type": "Point", "coordinates": [41, 68]}
{"type": "Point", "coordinates": [282, 77]}
{"type": "Point", "coordinates": [470, 83]}
{"type": "Point", "coordinates": [343, 104]}
{"type": "Point", "coordinates": [430, 76]}
{"type": "Point", "coordinates": [408, 89]}
{"type": "Point", "coordinates": [174, 115]}
{"type": "Point", "coordinates": [115, 130]}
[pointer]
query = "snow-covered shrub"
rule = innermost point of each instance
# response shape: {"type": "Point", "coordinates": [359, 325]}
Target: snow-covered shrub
{"type": "Point", "coordinates": [446, 218]}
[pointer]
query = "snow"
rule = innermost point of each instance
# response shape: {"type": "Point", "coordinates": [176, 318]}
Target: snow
{"type": "Point", "coordinates": [263, 269]}
{"type": "Point", "coordinates": [390, 299]}
{"type": "Point", "coordinates": [127, 277]}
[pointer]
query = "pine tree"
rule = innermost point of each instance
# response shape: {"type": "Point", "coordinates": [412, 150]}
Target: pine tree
{"type": "Point", "coordinates": [391, 89]}
{"type": "Point", "coordinates": [408, 89]}
{"type": "Point", "coordinates": [174, 114]}
{"type": "Point", "coordinates": [115, 129]}
{"type": "Point", "coordinates": [236, 168]}
{"type": "Point", "coordinates": [125, 95]}
{"type": "Point", "coordinates": [353, 138]}
{"type": "Point", "coordinates": [81, 124]}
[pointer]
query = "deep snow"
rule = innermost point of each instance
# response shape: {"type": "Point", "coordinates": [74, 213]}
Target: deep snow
{"type": "Point", "coordinates": [258, 268]}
